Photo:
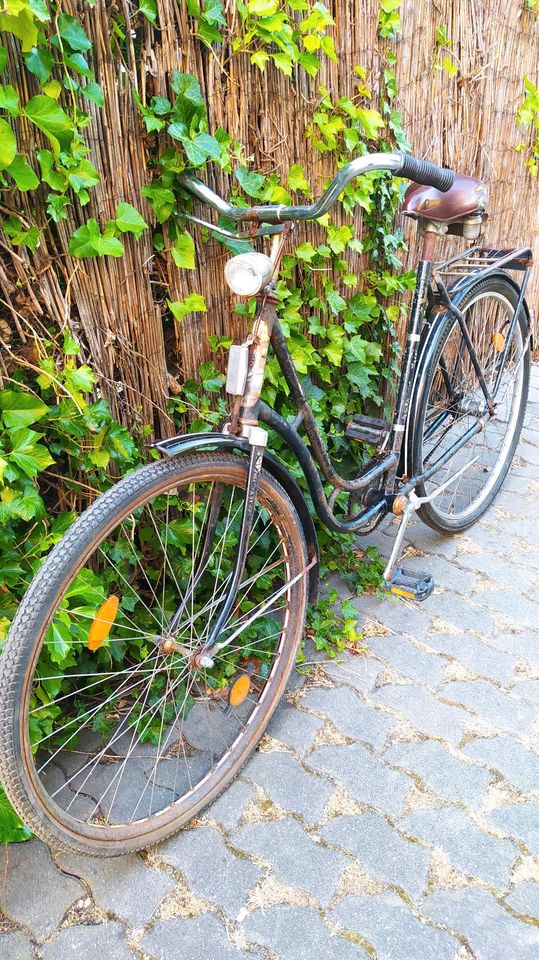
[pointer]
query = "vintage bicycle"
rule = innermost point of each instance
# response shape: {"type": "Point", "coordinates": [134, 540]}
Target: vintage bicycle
{"type": "Point", "coordinates": [156, 639]}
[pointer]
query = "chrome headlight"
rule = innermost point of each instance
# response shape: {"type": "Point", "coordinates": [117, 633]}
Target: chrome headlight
{"type": "Point", "coordinates": [248, 273]}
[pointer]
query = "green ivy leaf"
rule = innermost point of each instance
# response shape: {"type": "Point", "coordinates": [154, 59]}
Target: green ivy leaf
{"type": "Point", "coordinates": [3, 58]}
{"type": "Point", "coordinates": [9, 100]}
{"type": "Point", "coordinates": [12, 829]}
{"type": "Point", "coordinates": [49, 117]}
{"type": "Point", "coordinates": [129, 220]}
{"type": "Point", "coordinates": [183, 251]}
{"type": "Point", "coordinates": [201, 148]}
{"type": "Point", "coordinates": [297, 180]}
{"type": "Point", "coordinates": [83, 176]}
{"type": "Point", "coordinates": [56, 206]}
{"type": "Point", "coordinates": [20, 409]}
{"type": "Point", "coordinates": [58, 181]}
{"type": "Point", "coordinates": [31, 457]}
{"type": "Point", "coordinates": [250, 182]}
{"type": "Point", "coordinates": [21, 24]}
{"type": "Point", "coordinates": [8, 145]}
{"type": "Point", "coordinates": [80, 379]}
{"type": "Point", "coordinates": [79, 65]}
{"type": "Point", "coordinates": [161, 199]}
{"type": "Point", "coordinates": [92, 91]}
{"type": "Point", "coordinates": [149, 9]}
{"type": "Point", "coordinates": [193, 303]}
{"type": "Point", "coordinates": [39, 9]}
{"type": "Point", "coordinates": [22, 173]}
{"type": "Point", "coordinates": [72, 32]}
{"type": "Point", "coordinates": [39, 62]}
{"type": "Point", "coordinates": [210, 377]}
{"type": "Point", "coordinates": [88, 241]}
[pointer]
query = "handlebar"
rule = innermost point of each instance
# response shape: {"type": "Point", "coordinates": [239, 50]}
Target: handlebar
{"type": "Point", "coordinates": [400, 164]}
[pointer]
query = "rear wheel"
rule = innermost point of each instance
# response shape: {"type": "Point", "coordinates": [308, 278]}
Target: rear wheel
{"type": "Point", "coordinates": [452, 401]}
{"type": "Point", "coordinates": [111, 737]}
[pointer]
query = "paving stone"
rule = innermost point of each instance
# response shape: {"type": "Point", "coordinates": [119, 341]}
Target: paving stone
{"type": "Point", "coordinates": [16, 946]}
{"type": "Point", "coordinates": [294, 728]}
{"type": "Point", "coordinates": [529, 453]}
{"type": "Point", "coordinates": [387, 856]}
{"type": "Point", "coordinates": [462, 614]}
{"type": "Point", "coordinates": [521, 821]}
{"type": "Point", "coordinates": [295, 858]}
{"type": "Point", "coordinates": [387, 923]}
{"type": "Point", "coordinates": [228, 809]}
{"type": "Point", "coordinates": [494, 706]}
{"type": "Point", "coordinates": [525, 646]}
{"type": "Point", "coordinates": [527, 690]}
{"type": "Point", "coordinates": [443, 773]}
{"type": "Point", "coordinates": [399, 615]}
{"type": "Point", "coordinates": [88, 942]}
{"type": "Point", "coordinates": [476, 853]}
{"type": "Point", "coordinates": [211, 870]}
{"type": "Point", "coordinates": [525, 899]}
{"type": "Point", "coordinates": [368, 779]}
{"type": "Point", "coordinates": [509, 757]}
{"type": "Point", "coordinates": [124, 885]}
{"type": "Point", "coordinates": [424, 710]}
{"type": "Point", "coordinates": [448, 576]}
{"type": "Point", "coordinates": [29, 871]}
{"type": "Point", "coordinates": [295, 933]}
{"type": "Point", "coordinates": [481, 659]}
{"type": "Point", "coordinates": [498, 569]}
{"type": "Point", "coordinates": [191, 939]}
{"type": "Point", "coordinates": [288, 785]}
{"type": "Point", "coordinates": [356, 671]}
{"type": "Point", "coordinates": [351, 715]}
{"type": "Point", "coordinates": [511, 604]}
{"type": "Point", "coordinates": [409, 660]}
{"type": "Point", "coordinates": [491, 932]}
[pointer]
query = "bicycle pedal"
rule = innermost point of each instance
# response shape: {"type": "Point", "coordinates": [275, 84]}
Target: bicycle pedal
{"type": "Point", "coordinates": [372, 430]}
{"type": "Point", "coordinates": [415, 586]}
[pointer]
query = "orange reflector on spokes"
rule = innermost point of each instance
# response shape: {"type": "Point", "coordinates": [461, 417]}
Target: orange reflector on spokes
{"type": "Point", "coordinates": [102, 622]}
{"type": "Point", "coordinates": [239, 690]}
{"type": "Point", "coordinates": [498, 340]}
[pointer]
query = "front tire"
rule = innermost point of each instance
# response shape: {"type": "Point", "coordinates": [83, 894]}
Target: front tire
{"type": "Point", "coordinates": [101, 601]}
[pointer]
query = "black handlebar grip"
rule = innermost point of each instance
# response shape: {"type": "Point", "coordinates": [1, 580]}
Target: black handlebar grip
{"type": "Point", "coordinates": [421, 171]}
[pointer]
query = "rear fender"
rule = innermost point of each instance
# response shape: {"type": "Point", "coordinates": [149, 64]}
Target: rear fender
{"type": "Point", "coordinates": [187, 443]}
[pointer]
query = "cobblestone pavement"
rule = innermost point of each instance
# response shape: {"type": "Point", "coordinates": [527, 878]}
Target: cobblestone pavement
{"type": "Point", "coordinates": [392, 810]}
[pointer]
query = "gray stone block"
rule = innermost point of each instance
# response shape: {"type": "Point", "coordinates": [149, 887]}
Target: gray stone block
{"type": "Point", "coordinates": [288, 785]}
{"type": "Point", "coordinates": [211, 870]}
{"type": "Point", "coordinates": [399, 615]}
{"type": "Point", "coordinates": [124, 886]}
{"type": "Point", "coordinates": [442, 773]}
{"type": "Point", "coordinates": [462, 614]}
{"type": "Point", "coordinates": [527, 690]}
{"type": "Point", "coordinates": [479, 658]}
{"type": "Point", "coordinates": [509, 757]}
{"type": "Point", "coordinates": [525, 899]}
{"type": "Point", "coordinates": [424, 711]}
{"type": "Point", "coordinates": [495, 707]}
{"type": "Point", "coordinates": [88, 942]}
{"type": "Point", "coordinates": [296, 933]}
{"type": "Point", "coordinates": [491, 932]}
{"type": "Point", "coordinates": [191, 939]}
{"type": "Point", "coordinates": [294, 728]}
{"type": "Point", "coordinates": [369, 780]}
{"type": "Point", "coordinates": [524, 646]}
{"type": "Point", "coordinates": [409, 660]}
{"type": "Point", "coordinates": [511, 604]}
{"type": "Point", "coordinates": [387, 855]}
{"type": "Point", "coordinates": [229, 807]}
{"type": "Point", "coordinates": [34, 892]}
{"type": "Point", "coordinates": [295, 858]}
{"type": "Point", "coordinates": [359, 671]}
{"type": "Point", "coordinates": [470, 850]}
{"type": "Point", "coordinates": [520, 821]}
{"type": "Point", "coordinates": [16, 946]}
{"type": "Point", "coordinates": [351, 715]}
{"type": "Point", "coordinates": [387, 923]}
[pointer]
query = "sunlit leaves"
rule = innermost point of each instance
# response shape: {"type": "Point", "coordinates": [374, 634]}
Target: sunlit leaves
{"type": "Point", "coordinates": [8, 144]}
{"type": "Point", "coordinates": [193, 303]}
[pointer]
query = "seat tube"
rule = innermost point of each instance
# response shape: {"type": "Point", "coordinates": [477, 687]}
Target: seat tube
{"type": "Point", "coordinates": [411, 350]}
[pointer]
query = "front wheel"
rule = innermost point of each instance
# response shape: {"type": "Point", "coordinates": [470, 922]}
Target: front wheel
{"type": "Point", "coordinates": [452, 401]}
{"type": "Point", "coordinates": [111, 737]}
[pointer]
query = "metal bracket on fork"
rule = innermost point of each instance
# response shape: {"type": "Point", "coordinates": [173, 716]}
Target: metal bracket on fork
{"type": "Point", "coordinates": [413, 502]}
{"type": "Point", "coordinates": [257, 438]}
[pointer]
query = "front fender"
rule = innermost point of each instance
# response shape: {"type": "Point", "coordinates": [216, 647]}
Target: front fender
{"type": "Point", "coordinates": [189, 442]}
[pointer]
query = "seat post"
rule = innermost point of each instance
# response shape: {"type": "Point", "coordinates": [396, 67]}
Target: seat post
{"type": "Point", "coordinates": [431, 232]}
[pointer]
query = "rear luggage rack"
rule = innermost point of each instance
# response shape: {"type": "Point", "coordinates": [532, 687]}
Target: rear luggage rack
{"type": "Point", "coordinates": [482, 261]}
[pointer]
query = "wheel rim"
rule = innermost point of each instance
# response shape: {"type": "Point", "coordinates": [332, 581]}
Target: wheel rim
{"type": "Point", "coordinates": [139, 742]}
{"type": "Point", "coordinates": [488, 317]}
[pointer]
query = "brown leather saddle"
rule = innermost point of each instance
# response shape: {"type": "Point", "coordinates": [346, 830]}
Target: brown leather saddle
{"type": "Point", "coordinates": [462, 207]}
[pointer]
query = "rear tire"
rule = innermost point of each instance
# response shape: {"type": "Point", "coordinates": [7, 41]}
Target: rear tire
{"type": "Point", "coordinates": [440, 419]}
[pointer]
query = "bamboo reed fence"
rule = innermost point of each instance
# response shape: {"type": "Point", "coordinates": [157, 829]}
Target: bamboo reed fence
{"type": "Point", "coordinates": [115, 306]}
